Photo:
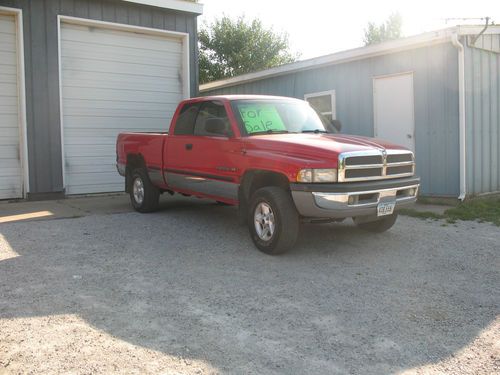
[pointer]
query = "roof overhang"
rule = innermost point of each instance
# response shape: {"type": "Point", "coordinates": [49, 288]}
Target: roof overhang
{"type": "Point", "coordinates": [398, 45]}
{"type": "Point", "coordinates": [180, 5]}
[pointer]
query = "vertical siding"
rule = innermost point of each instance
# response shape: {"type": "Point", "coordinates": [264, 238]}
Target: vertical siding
{"type": "Point", "coordinates": [436, 104]}
{"type": "Point", "coordinates": [482, 85]}
{"type": "Point", "coordinates": [42, 77]}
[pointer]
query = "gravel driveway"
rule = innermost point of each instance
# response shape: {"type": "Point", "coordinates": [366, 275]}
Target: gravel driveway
{"type": "Point", "coordinates": [184, 291]}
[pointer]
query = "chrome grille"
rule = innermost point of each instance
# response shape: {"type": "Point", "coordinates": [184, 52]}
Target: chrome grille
{"type": "Point", "coordinates": [375, 165]}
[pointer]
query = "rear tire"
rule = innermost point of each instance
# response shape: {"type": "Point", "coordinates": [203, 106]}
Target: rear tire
{"type": "Point", "coordinates": [380, 225]}
{"type": "Point", "coordinates": [273, 220]}
{"type": "Point", "coordinates": [144, 196]}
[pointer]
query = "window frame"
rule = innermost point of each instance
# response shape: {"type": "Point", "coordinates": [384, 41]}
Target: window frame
{"type": "Point", "coordinates": [333, 101]}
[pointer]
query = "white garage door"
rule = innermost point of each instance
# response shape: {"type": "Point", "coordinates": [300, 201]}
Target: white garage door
{"type": "Point", "coordinates": [11, 180]}
{"type": "Point", "coordinates": [113, 81]}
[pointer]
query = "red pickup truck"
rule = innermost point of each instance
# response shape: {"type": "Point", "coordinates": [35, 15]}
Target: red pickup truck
{"type": "Point", "coordinates": [276, 159]}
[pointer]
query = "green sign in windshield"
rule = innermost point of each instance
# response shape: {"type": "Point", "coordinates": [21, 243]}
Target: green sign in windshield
{"type": "Point", "coordinates": [261, 118]}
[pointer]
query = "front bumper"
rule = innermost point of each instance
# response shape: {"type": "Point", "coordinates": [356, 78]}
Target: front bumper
{"type": "Point", "coordinates": [353, 199]}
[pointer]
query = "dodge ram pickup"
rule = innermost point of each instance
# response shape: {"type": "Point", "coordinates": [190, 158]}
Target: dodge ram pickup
{"type": "Point", "coordinates": [275, 158]}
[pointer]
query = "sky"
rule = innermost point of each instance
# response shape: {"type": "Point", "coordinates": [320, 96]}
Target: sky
{"type": "Point", "coordinates": [319, 27]}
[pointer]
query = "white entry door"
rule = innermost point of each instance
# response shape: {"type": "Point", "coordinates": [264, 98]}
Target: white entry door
{"type": "Point", "coordinates": [393, 106]}
{"type": "Point", "coordinates": [11, 177]}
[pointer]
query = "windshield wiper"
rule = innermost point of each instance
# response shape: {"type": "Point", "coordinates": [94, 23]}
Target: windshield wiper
{"type": "Point", "coordinates": [269, 131]}
{"type": "Point", "coordinates": [315, 131]}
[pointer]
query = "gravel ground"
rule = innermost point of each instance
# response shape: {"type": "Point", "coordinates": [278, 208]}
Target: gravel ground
{"type": "Point", "coordinates": [183, 291]}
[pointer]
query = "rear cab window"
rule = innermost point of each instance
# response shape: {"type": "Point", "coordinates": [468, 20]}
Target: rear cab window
{"type": "Point", "coordinates": [212, 120]}
{"type": "Point", "coordinates": [184, 124]}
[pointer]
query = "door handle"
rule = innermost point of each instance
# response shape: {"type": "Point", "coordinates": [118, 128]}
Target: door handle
{"type": "Point", "coordinates": [189, 146]}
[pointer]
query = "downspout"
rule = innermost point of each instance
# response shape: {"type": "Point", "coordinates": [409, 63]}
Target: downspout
{"type": "Point", "coordinates": [461, 114]}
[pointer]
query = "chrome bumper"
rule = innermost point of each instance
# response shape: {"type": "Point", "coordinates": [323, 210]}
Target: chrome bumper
{"type": "Point", "coordinates": [359, 202]}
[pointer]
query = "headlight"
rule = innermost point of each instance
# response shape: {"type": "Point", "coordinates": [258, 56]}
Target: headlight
{"type": "Point", "coordinates": [317, 175]}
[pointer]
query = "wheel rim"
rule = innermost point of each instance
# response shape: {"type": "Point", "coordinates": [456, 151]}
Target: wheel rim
{"type": "Point", "coordinates": [264, 221]}
{"type": "Point", "coordinates": [138, 190]}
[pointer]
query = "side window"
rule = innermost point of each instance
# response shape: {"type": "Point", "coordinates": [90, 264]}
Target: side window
{"type": "Point", "coordinates": [323, 102]}
{"type": "Point", "coordinates": [185, 122]}
{"type": "Point", "coordinates": [212, 120]}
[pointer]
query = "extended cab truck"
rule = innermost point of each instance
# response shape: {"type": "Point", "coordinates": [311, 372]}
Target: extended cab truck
{"type": "Point", "coordinates": [276, 159]}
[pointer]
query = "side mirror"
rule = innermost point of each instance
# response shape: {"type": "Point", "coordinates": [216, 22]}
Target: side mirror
{"type": "Point", "coordinates": [216, 126]}
{"type": "Point", "coordinates": [337, 125]}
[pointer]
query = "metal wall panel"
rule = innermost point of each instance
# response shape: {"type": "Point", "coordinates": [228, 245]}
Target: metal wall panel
{"type": "Point", "coordinates": [436, 104]}
{"type": "Point", "coordinates": [41, 67]}
{"type": "Point", "coordinates": [482, 86]}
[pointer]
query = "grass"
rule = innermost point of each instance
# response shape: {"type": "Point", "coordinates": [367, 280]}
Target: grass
{"type": "Point", "coordinates": [478, 209]}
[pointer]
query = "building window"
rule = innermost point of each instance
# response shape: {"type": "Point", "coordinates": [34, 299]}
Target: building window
{"type": "Point", "coordinates": [323, 102]}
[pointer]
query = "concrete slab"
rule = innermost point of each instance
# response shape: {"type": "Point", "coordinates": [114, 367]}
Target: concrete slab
{"type": "Point", "coordinates": [64, 208]}
{"type": "Point", "coordinates": [434, 208]}
{"type": "Point", "coordinates": [78, 206]}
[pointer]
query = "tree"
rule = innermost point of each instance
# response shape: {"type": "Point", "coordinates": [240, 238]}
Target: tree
{"type": "Point", "coordinates": [389, 30]}
{"type": "Point", "coordinates": [232, 47]}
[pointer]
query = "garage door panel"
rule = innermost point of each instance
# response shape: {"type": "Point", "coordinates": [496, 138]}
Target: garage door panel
{"type": "Point", "coordinates": [10, 101]}
{"type": "Point", "coordinates": [117, 67]}
{"type": "Point", "coordinates": [11, 191]}
{"type": "Point", "coordinates": [10, 151]}
{"type": "Point", "coordinates": [118, 123]}
{"type": "Point", "coordinates": [105, 176]}
{"type": "Point", "coordinates": [89, 151]}
{"type": "Point", "coordinates": [94, 167]}
{"type": "Point", "coordinates": [97, 188]}
{"type": "Point", "coordinates": [8, 58]}
{"type": "Point", "coordinates": [8, 25]}
{"type": "Point", "coordinates": [9, 119]}
{"type": "Point", "coordinates": [84, 141]}
{"type": "Point", "coordinates": [11, 133]}
{"type": "Point", "coordinates": [10, 163]}
{"type": "Point", "coordinates": [112, 81]}
{"type": "Point", "coordinates": [7, 78]}
{"type": "Point", "coordinates": [91, 104]}
{"type": "Point", "coordinates": [107, 112]}
{"type": "Point", "coordinates": [79, 48]}
{"type": "Point", "coordinates": [8, 89]}
{"type": "Point", "coordinates": [138, 57]}
{"type": "Point", "coordinates": [119, 39]}
{"type": "Point", "coordinates": [120, 95]}
{"type": "Point", "coordinates": [8, 69]}
{"type": "Point", "coordinates": [151, 84]}
{"type": "Point", "coordinates": [80, 75]}
{"type": "Point", "coordinates": [6, 39]}
{"type": "Point", "coordinates": [9, 140]}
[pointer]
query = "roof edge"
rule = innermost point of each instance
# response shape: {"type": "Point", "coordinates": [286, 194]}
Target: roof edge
{"type": "Point", "coordinates": [420, 40]}
{"type": "Point", "coordinates": [183, 6]}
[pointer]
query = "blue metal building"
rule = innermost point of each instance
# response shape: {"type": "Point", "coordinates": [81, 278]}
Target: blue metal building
{"type": "Point", "coordinates": [73, 74]}
{"type": "Point", "coordinates": [437, 93]}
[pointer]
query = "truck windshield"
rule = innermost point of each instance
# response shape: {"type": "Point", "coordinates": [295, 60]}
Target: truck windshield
{"type": "Point", "coordinates": [277, 117]}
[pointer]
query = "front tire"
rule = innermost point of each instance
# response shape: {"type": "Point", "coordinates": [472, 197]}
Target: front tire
{"type": "Point", "coordinates": [273, 221]}
{"type": "Point", "coordinates": [144, 196]}
{"type": "Point", "coordinates": [380, 225]}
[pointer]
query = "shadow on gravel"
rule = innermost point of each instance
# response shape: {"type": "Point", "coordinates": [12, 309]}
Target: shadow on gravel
{"type": "Point", "coordinates": [187, 281]}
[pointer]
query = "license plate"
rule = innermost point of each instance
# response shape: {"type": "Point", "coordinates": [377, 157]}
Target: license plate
{"type": "Point", "coordinates": [386, 208]}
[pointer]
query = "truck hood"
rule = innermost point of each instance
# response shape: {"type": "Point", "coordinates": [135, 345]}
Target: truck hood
{"type": "Point", "coordinates": [317, 146]}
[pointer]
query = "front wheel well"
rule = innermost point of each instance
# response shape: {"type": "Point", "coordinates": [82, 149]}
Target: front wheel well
{"type": "Point", "coordinates": [256, 179]}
